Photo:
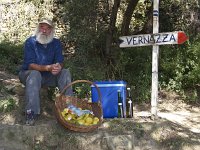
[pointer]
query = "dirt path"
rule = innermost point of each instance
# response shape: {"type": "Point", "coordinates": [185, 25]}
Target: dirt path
{"type": "Point", "coordinates": [187, 116]}
{"type": "Point", "coordinates": [191, 121]}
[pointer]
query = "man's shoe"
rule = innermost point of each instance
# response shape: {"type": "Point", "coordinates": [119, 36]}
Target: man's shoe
{"type": "Point", "coordinates": [30, 117]}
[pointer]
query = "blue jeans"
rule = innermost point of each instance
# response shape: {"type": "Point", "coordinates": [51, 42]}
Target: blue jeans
{"type": "Point", "coordinates": [33, 81]}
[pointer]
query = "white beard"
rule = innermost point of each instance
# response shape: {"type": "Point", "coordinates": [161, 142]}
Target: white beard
{"type": "Point", "coordinates": [44, 39]}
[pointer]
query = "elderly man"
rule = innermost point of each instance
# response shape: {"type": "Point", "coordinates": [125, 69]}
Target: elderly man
{"type": "Point", "coordinates": [42, 66]}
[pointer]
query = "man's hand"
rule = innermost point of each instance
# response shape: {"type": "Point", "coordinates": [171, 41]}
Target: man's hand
{"type": "Point", "coordinates": [56, 68]}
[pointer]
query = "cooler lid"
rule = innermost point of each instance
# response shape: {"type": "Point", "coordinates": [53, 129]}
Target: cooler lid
{"type": "Point", "coordinates": [109, 83]}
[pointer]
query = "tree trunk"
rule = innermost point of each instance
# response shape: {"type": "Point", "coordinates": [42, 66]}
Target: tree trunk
{"type": "Point", "coordinates": [127, 16]}
{"type": "Point", "coordinates": [111, 29]}
{"type": "Point", "coordinates": [109, 39]}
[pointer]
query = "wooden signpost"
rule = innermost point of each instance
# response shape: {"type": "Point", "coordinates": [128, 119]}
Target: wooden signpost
{"type": "Point", "coordinates": [155, 39]}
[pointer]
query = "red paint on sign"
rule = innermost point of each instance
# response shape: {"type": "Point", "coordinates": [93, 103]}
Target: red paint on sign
{"type": "Point", "coordinates": [182, 37]}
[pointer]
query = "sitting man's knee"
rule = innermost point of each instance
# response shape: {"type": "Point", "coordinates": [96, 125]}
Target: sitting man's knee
{"type": "Point", "coordinates": [66, 72]}
{"type": "Point", "coordinates": [35, 73]}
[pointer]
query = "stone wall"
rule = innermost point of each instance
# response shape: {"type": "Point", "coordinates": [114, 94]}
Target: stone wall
{"type": "Point", "coordinates": [18, 18]}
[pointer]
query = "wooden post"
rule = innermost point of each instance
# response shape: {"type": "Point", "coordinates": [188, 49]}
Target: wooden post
{"type": "Point", "coordinates": [155, 54]}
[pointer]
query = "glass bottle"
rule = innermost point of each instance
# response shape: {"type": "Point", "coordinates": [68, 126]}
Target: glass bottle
{"type": "Point", "coordinates": [129, 104]}
{"type": "Point", "coordinates": [120, 105]}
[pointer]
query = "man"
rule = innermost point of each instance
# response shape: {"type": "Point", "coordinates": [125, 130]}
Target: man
{"type": "Point", "coordinates": [42, 66]}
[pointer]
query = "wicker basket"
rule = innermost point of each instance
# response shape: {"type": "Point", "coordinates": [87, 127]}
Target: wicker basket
{"type": "Point", "coordinates": [96, 108]}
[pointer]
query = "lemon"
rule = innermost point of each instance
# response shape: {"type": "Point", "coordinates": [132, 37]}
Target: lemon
{"type": "Point", "coordinates": [96, 119]}
{"type": "Point", "coordinates": [63, 113]}
{"type": "Point", "coordinates": [66, 110]}
{"type": "Point", "coordinates": [72, 121]}
{"type": "Point", "coordinates": [80, 117]}
{"type": "Point", "coordinates": [74, 116]}
{"type": "Point", "coordinates": [86, 115]}
{"type": "Point", "coordinates": [89, 120]}
{"type": "Point", "coordinates": [95, 122]}
{"type": "Point", "coordinates": [86, 124]}
{"type": "Point", "coordinates": [81, 121]}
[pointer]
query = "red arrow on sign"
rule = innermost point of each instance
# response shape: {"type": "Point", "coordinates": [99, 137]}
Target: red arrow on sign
{"type": "Point", "coordinates": [182, 37]}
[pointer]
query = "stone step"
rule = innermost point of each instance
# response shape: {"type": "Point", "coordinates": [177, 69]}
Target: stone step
{"type": "Point", "coordinates": [51, 135]}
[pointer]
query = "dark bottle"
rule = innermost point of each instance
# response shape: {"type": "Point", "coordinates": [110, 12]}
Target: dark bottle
{"type": "Point", "coordinates": [120, 105]}
{"type": "Point", "coordinates": [129, 104]}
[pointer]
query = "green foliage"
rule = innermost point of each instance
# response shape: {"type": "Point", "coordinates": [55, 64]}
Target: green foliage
{"type": "Point", "coordinates": [87, 40]}
{"type": "Point", "coordinates": [85, 69]}
{"type": "Point", "coordinates": [193, 64]}
{"type": "Point", "coordinates": [132, 64]}
{"type": "Point", "coordinates": [191, 96]}
{"type": "Point", "coordinates": [19, 18]}
{"type": "Point", "coordinates": [7, 105]}
{"type": "Point", "coordinates": [139, 16]}
{"type": "Point", "coordinates": [136, 64]}
{"type": "Point", "coordinates": [82, 90]}
{"type": "Point", "coordinates": [11, 56]}
{"type": "Point", "coordinates": [180, 66]}
{"type": "Point", "coordinates": [173, 18]}
{"type": "Point", "coordinates": [176, 15]}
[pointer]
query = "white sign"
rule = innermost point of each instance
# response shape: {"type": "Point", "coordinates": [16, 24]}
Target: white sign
{"type": "Point", "coordinates": [177, 37]}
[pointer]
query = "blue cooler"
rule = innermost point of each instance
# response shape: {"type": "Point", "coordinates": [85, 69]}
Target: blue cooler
{"type": "Point", "coordinates": [109, 95]}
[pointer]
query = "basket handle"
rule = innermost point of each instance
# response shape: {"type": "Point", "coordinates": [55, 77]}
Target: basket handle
{"type": "Point", "coordinates": [82, 81]}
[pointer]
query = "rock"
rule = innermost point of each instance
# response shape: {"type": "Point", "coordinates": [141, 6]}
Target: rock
{"type": "Point", "coordinates": [19, 90]}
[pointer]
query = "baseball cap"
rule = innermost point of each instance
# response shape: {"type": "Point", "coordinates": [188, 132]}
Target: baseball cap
{"type": "Point", "coordinates": [47, 21]}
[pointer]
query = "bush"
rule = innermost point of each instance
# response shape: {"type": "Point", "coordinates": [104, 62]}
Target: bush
{"type": "Point", "coordinates": [11, 56]}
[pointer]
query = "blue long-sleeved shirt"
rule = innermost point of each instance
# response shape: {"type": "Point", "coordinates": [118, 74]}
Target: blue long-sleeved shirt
{"type": "Point", "coordinates": [40, 54]}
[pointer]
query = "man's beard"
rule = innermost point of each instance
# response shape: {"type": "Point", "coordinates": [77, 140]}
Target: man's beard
{"type": "Point", "coordinates": [44, 39]}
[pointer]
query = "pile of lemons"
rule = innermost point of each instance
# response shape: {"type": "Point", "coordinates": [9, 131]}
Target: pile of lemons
{"type": "Point", "coordinates": [84, 119]}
